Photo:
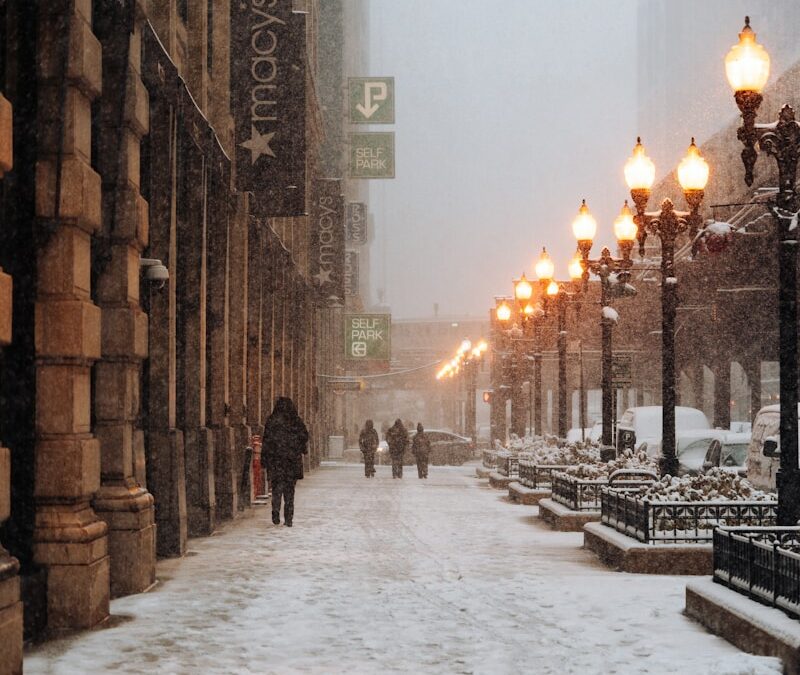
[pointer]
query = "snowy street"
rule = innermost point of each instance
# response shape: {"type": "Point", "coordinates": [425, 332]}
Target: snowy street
{"type": "Point", "coordinates": [436, 576]}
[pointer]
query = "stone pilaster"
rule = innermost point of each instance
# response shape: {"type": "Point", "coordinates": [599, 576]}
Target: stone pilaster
{"type": "Point", "coordinates": [122, 501]}
{"type": "Point", "coordinates": [218, 340]}
{"type": "Point", "coordinates": [255, 308]}
{"type": "Point", "coordinates": [10, 605]}
{"type": "Point", "coordinates": [69, 539]}
{"type": "Point", "coordinates": [238, 322]}
{"type": "Point", "coordinates": [192, 328]}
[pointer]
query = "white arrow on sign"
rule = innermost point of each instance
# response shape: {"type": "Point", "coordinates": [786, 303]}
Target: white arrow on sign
{"type": "Point", "coordinates": [370, 107]}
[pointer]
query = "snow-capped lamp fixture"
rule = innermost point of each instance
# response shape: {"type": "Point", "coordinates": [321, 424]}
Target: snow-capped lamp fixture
{"type": "Point", "coordinates": [747, 68]}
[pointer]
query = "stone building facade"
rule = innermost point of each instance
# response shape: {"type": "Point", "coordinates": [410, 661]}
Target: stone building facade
{"type": "Point", "coordinates": [128, 400]}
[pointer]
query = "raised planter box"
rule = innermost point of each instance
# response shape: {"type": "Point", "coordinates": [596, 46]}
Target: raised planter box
{"type": "Point", "coordinates": [538, 476]}
{"type": "Point", "coordinates": [678, 522]}
{"type": "Point", "coordinates": [563, 519]}
{"type": "Point", "coordinates": [750, 627]}
{"type": "Point", "coordinates": [499, 481]}
{"type": "Point", "coordinates": [508, 465]}
{"type": "Point", "coordinates": [625, 554]}
{"type": "Point", "coordinates": [482, 471]}
{"type": "Point", "coordinates": [520, 494]}
{"type": "Point", "coordinates": [581, 494]}
{"type": "Point", "coordinates": [489, 458]}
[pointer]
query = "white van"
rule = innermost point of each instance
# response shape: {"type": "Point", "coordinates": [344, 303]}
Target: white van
{"type": "Point", "coordinates": [763, 463]}
{"type": "Point", "coordinates": [643, 425]}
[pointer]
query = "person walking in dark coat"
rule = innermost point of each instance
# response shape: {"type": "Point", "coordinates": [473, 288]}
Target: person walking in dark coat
{"type": "Point", "coordinates": [284, 443]}
{"type": "Point", "coordinates": [368, 442]}
{"type": "Point", "coordinates": [397, 438]}
{"type": "Point", "coordinates": [421, 449]}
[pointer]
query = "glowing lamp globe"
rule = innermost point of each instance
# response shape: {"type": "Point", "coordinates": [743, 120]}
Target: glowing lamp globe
{"type": "Point", "coordinates": [575, 268]}
{"type": "Point", "coordinates": [693, 170]}
{"type": "Point", "coordinates": [584, 227]}
{"type": "Point", "coordinates": [529, 310]}
{"type": "Point", "coordinates": [544, 266]}
{"type": "Point", "coordinates": [552, 289]}
{"type": "Point", "coordinates": [624, 228]}
{"type": "Point", "coordinates": [503, 312]}
{"type": "Point", "coordinates": [523, 289]}
{"type": "Point", "coordinates": [640, 172]}
{"type": "Point", "coordinates": [747, 63]}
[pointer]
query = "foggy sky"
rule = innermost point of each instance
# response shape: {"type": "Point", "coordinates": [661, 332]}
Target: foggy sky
{"type": "Point", "coordinates": [508, 113]}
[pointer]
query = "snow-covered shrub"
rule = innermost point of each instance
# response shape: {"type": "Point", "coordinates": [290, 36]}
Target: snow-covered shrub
{"type": "Point", "coordinates": [628, 459]}
{"type": "Point", "coordinates": [715, 485]}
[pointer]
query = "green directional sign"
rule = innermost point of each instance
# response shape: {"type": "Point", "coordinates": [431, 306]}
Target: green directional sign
{"type": "Point", "coordinates": [367, 337]}
{"type": "Point", "coordinates": [371, 100]}
{"type": "Point", "coordinates": [372, 154]}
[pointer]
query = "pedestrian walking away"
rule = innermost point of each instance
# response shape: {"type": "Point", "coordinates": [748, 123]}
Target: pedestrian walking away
{"type": "Point", "coordinates": [368, 442]}
{"type": "Point", "coordinates": [421, 449]}
{"type": "Point", "coordinates": [284, 443]}
{"type": "Point", "coordinates": [397, 439]}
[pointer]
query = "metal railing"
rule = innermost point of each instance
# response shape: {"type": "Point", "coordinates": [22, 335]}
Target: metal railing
{"type": "Point", "coordinates": [762, 563]}
{"type": "Point", "coordinates": [581, 494]}
{"type": "Point", "coordinates": [508, 465]}
{"type": "Point", "coordinates": [490, 459]}
{"type": "Point", "coordinates": [677, 522]}
{"type": "Point", "coordinates": [538, 476]}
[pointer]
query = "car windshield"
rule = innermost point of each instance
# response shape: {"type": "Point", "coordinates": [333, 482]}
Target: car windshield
{"type": "Point", "coordinates": [734, 454]}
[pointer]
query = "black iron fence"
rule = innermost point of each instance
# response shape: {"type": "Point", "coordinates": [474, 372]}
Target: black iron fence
{"type": "Point", "coordinates": [490, 459]}
{"type": "Point", "coordinates": [762, 563]}
{"type": "Point", "coordinates": [677, 522]}
{"type": "Point", "coordinates": [508, 465]}
{"type": "Point", "coordinates": [581, 494]}
{"type": "Point", "coordinates": [538, 476]}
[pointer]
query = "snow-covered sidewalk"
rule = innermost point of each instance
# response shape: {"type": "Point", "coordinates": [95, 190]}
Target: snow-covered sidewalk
{"type": "Point", "coordinates": [436, 576]}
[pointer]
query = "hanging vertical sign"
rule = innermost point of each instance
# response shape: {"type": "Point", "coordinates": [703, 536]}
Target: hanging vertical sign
{"type": "Point", "coordinates": [268, 102]}
{"type": "Point", "coordinates": [356, 223]}
{"type": "Point", "coordinates": [327, 240]}
{"type": "Point", "coordinates": [351, 273]}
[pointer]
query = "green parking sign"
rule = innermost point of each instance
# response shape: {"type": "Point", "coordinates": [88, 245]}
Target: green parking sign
{"type": "Point", "coordinates": [372, 154]}
{"type": "Point", "coordinates": [367, 337]}
{"type": "Point", "coordinates": [371, 100]}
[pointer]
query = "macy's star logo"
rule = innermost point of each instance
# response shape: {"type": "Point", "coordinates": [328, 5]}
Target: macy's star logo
{"type": "Point", "coordinates": [258, 144]}
{"type": "Point", "coordinates": [323, 277]}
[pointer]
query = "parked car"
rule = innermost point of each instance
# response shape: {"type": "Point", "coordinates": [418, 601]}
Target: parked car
{"type": "Point", "coordinates": [643, 425]}
{"type": "Point", "coordinates": [446, 448]}
{"type": "Point", "coordinates": [697, 450]}
{"type": "Point", "coordinates": [763, 453]}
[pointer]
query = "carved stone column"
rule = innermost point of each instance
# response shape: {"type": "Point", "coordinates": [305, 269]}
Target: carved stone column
{"type": "Point", "coordinates": [69, 539]}
{"type": "Point", "coordinates": [122, 502]}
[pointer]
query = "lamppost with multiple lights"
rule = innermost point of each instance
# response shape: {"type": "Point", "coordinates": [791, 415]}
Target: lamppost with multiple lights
{"type": "Point", "coordinates": [562, 297]}
{"type": "Point", "coordinates": [747, 69]}
{"type": "Point", "coordinates": [466, 360]}
{"type": "Point", "coordinates": [667, 224]}
{"type": "Point", "coordinates": [584, 228]}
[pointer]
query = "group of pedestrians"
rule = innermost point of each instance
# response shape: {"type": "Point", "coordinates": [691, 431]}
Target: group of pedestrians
{"type": "Point", "coordinates": [397, 439]}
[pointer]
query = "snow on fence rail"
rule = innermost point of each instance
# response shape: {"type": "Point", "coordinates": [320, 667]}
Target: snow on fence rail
{"type": "Point", "coordinates": [678, 522]}
{"type": "Point", "coordinates": [580, 494]}
{"type": "Point", "coordinates": [762, 563]}
{"type": "Point", "coordinates": [538, 476]}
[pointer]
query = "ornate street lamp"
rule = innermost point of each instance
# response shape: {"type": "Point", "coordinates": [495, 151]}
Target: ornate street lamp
{"type": "Point", "coordinates": [584, 228]}
{"type": "Point", "coordinates": [666, 224]}
{"type": "Point", "coordinates": [747, 68]}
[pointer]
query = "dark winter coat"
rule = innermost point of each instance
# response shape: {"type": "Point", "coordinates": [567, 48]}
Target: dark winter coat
{"type": "Point", "coordinates": [368, 439]}
{"type": "Point", "coordinates": [421, 447]}
{"type": "Point", "coordinates": [284, 442]}
{"type": "Point", "coordinates": [397, 438]}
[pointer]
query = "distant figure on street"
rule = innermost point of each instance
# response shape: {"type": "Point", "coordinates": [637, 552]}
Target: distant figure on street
{"type": "Point", "coordinates": [284, 443]}
{"type": "Point", "coordinates": [421, 449]}
{"type": "Point", "coordinates": [397, 439]}
{"type": "Point", "coordinates": [368, 442]}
